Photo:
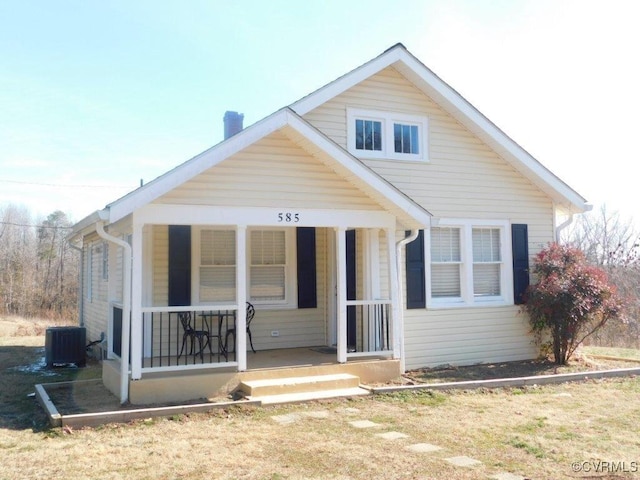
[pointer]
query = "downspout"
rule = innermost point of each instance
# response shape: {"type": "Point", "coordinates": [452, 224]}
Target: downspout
{"type": "Point", "coordinates": [401, 243]}
{"type": "Point", "coordinates": [562, 226]}
{"type": "Point", "coordinates": [126, 308]}
{"type": "Point", "coordinates": [80, 286]}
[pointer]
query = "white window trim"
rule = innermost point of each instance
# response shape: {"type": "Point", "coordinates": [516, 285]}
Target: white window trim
{"type": "Point", "coordinates": [388, 119]}
{"type": "Point", "coordinates": [467, 298]}
{"type": "Point", "coordinates": [291, 275]}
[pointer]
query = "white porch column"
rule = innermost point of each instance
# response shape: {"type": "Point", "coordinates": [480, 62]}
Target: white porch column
{"type": "Point", "coordinates": [341, 294]}
{"type": "Point", "coordinates": [136, 302]}
{"type": "Point", "coordinates": [241, 297]}
{"type": "Point", "coordinates": [397, 321]}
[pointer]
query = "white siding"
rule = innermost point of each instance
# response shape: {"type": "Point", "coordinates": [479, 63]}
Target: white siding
{"type": "Point", "coordinates": [464, 178]}
{"type": "Point", "coordinates": [95, 308]}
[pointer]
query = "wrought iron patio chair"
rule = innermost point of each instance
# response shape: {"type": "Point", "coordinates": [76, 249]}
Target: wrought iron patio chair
{"type": "Point", "coordinates": [192, 335]}
{"type": "Point", "coordinates": [251, 311]}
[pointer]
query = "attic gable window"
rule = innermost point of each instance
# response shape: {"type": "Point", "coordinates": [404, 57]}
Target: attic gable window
{"type": "Point", "coordinates": [387, 135]}
{"type": "Point", "coordinates": [368, 135]}
{"type": "Point", "coordinates": [406, 138]}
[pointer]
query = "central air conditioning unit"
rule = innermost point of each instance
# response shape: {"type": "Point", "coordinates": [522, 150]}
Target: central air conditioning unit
{"type": "Point", "coordinates": [65, 345]}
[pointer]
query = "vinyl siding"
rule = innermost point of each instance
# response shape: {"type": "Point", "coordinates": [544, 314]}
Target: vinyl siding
{"type": "Point", "coordinates": [274, 172]}
{"type": "Point", "coordinates": [160, 267]}
{"type": "Point", "coordinates": [95, 308]}
{"type": "Point", "coordinates": [466, 336]}
{"type": "Point", "coordinates": [465, 179]}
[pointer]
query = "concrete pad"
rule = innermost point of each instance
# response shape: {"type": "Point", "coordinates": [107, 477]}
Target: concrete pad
{"type": "Point", "coordinates": [507, 476]}
{"type": "Point", "coordinates": [463, 461]}
{"type": "Point", "coordinates": [285, 419]}
{"type": "Point", "coordinates": [392, 435]}
{"type": "Point", "coordinates": [423, 448]}
{"type": "Point", "coordinates": [364, 424]}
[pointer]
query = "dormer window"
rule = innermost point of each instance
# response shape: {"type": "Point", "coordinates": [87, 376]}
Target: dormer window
{"type": "Point", "coordinates": [378, 134]}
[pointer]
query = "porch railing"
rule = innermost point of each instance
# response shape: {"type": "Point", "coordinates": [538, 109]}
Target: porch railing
{"type": "Point", "coordinates": [176, 338]}
{"type": "Point", "coordinates": [369, 326]}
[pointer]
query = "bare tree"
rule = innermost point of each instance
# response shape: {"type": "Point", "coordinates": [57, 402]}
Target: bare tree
{"type": "Point", "coordinates": [613, 243]}
{"type": "Point", "coordinates": [38, 271]}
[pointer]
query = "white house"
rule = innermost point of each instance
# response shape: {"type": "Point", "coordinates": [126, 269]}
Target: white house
{"type": "Point", "coordinates": [382, 215]}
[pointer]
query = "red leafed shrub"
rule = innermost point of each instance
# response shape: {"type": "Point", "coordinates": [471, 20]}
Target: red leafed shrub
{"type": "Point", "coordinates": [571, 300]}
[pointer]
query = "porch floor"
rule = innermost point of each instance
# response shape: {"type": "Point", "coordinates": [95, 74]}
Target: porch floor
{"type": "Point", "coordinates": [291, 357]}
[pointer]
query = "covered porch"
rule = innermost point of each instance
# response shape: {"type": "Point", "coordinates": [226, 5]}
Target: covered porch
{"type": "Point", "coordinates": [354, 315]}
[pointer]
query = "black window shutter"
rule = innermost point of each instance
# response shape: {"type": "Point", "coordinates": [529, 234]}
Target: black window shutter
{"type": "Point", "coordinates": [520, 247]}
{"type": "Point", "coordinates": [306, 256]}
{"type": "Point", "coordinates": [179, 265]}
{"type": "Point", "coordinates": [414, 261]}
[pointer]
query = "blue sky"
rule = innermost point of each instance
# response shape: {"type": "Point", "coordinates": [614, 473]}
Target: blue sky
{"type": "Point", "coordinates": [96, 95]}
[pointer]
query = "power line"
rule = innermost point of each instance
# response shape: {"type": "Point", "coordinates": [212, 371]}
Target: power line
{"type": "Point", "coordinates": [62, 185]}
{"type": "Point", "coordinates": [33, 226]}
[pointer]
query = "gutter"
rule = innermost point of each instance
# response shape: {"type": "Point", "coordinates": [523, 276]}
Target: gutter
{"type": "Point", "coordinates": [126, 306]}
{"type": "Point", "coordinates": [401, 243]}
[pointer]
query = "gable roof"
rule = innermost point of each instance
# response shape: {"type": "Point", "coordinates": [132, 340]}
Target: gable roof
{"type": "Point", "coordinates": [303, 134]}
{"type": "Point", "coordinates": [452, 102]}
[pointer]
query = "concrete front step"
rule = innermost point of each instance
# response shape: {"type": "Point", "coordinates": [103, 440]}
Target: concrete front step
{"type": "Point", "coordinates": [298, 385]}
{"type": "Point", "coordinates": [305, 396]}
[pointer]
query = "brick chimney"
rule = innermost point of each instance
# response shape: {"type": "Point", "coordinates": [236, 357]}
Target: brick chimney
{"type": "Point", "coordinates": [232, 123]}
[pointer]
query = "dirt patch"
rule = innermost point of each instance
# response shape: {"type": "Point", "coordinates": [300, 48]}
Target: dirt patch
{"type": "Point", "coordinates": [524, 368]}
{"type": "Point", "coordinates": [93, 397]}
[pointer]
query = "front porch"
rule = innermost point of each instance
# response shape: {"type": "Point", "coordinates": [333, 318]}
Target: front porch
{"type": "Point", "coordinates": [329, 280]}
{"type": "Point", "coordinates": [179, 385]}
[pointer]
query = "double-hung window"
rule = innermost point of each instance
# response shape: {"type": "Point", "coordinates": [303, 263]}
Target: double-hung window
{"type": "Point", "coordinates": [469, 263]}
{"type": "Point", "coordinates": [379, 134]}
{"type": "Point", "coordinates": [270, 266]}
{"type": "Point", "coordinates": [487, 262]}
{"type": "Point", "coordinates": [446, 262]}
{"type": "Point", "coordinates": [217, 268]}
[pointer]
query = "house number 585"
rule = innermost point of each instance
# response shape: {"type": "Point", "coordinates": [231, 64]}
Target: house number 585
{"type": "Point", "coordinates": [288, 217]}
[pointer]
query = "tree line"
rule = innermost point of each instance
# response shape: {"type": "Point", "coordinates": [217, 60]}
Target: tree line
{"type": "Point", "coordinates": [38, 268]}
